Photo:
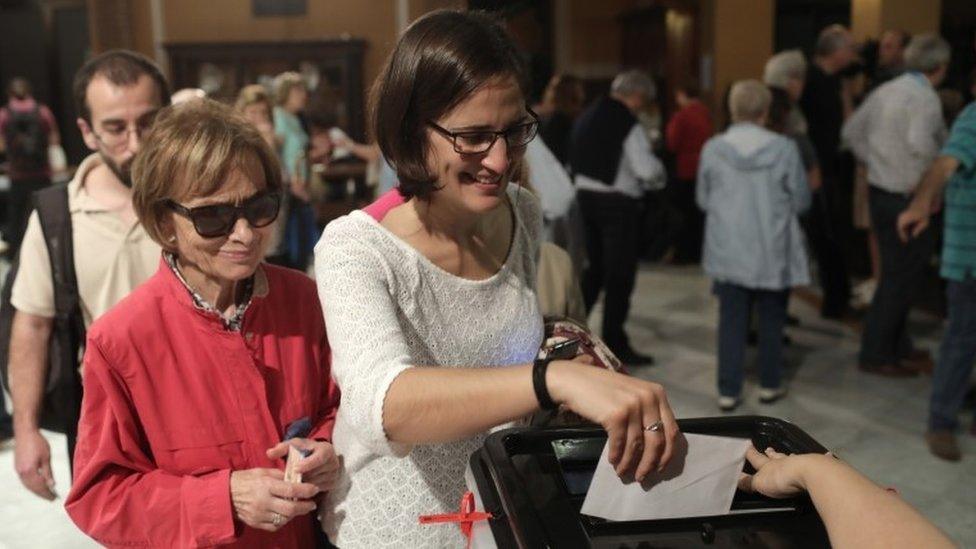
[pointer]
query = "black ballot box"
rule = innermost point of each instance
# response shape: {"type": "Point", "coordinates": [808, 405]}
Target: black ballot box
{"type": "Point", "coordinates": [533, 482]}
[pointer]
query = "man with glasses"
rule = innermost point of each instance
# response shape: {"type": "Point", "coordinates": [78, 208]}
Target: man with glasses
{"type": "Point", "coordinates": [117, 95]}
{"type": "Point", "coordinates": [612, 165]}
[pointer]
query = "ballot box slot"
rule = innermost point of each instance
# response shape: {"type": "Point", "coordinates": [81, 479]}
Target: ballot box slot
{"type": "Point", "coordinates": [534, 482]}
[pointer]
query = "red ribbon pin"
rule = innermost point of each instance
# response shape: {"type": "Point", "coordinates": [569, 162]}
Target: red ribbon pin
{"type": "Point", "coordinates": [464, 518]}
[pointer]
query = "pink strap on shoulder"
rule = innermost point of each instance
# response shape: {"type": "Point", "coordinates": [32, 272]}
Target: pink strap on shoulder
{"type": "Point", "coordinates": [382, 205]}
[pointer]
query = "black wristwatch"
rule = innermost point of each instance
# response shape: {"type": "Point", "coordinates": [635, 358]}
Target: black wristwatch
{"type": "Point", "coordinates": [539, 368]}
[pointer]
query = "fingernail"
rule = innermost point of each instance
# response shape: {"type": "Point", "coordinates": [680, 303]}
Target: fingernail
{"type": "Point", "coordinates": [641, 478]}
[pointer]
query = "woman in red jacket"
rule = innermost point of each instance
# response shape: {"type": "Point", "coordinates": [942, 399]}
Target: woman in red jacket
{"type": "Point", "coordinates": [686, 134]}
{"type": "Point", "coordinates": [193, 381]}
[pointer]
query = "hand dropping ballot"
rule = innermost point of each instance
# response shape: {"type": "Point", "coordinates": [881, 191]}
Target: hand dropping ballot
{"type": "Point", "coordinates": [700, 480]}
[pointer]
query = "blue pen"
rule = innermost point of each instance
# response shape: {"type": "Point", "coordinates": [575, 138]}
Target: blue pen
{"type": "Point", "coordinates": [300, 428]}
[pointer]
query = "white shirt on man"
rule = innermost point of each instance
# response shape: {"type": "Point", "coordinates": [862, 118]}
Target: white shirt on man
{"type": "Point", "coordinates": [639, 169]}
{"type": "Point", "coordinates": [897, 132]}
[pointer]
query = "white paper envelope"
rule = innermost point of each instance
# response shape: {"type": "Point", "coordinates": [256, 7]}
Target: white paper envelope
{"type": "Point", "coordinates": [294, 456]}
{"type": "Point", "coordinates": [699, 481]}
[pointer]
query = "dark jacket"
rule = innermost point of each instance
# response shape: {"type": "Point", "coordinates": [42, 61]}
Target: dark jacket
{"type": "Point", "coordinates": [598, 139]}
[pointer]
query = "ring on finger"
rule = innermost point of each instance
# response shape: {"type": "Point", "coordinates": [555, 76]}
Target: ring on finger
{"type": "Point", "coordinates": [654, 427]}
{"type": "Point", "coordinates": [276, 519]}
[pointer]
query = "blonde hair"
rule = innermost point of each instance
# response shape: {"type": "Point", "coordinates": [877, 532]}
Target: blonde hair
{"type": "Point", "coordinates": [284, 83]}
{"type": "Point", "coordinates": [189, 153]}
{"type": "Point", "coordinates": [255, 94]}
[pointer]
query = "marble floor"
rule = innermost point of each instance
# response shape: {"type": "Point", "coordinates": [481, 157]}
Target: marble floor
{"type": "Point", "coordinates": [874, 423]}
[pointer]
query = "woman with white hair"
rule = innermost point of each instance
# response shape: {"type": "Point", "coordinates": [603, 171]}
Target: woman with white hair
{"type": "Point", "coordinates": [787, 71]}
{"type": "Point", "coordinates": [752, 188]}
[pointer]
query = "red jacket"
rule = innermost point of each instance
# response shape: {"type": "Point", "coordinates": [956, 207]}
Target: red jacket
{"type": "Point", "coordinates": [174, 402]}
{"type": "Point", "coordinates": [687, 132]}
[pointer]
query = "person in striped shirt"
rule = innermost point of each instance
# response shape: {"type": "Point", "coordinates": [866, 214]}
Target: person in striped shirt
{"type": "Point", "coordinates": [954, 171]}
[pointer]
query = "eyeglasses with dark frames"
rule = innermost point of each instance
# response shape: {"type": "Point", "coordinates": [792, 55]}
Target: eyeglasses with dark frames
{"type": "Point", "coordinates": [215, 220]}
{"type": "Point", "coordinates": [481, 141]}
{"type": "Point", "coordinates": [115, 137]}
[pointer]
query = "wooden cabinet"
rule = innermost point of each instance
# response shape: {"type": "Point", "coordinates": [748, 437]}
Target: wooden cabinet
{"type": "Point", "coordinates": [334, 69]}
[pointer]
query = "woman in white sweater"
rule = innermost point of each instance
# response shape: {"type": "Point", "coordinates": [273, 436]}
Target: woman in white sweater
{"type": "Point", "coordinates": [432, 312]}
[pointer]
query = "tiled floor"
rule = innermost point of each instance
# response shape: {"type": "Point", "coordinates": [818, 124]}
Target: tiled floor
{"type": "Point", "coordinates": [874, 423]}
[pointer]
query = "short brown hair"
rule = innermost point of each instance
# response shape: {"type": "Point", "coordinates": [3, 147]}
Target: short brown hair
{"type": "Point", "coordinates": [564, 94]}
{"type": "Point", "coordinates": [689, 88]}
{"type": "Point", "coordinates": [189, 152]}
{"type": "Point", "coordinates": [19, 88]}
{"type": "Point", "coordinates": [440, 60]}
{"type": "Point", "coordinates": [121, 68]}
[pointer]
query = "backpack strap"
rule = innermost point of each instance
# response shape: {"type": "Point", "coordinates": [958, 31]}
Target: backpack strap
{"type": "Point", "coordinates": [55, 218]}
{"type": "Point", "coordinates": [68, 334]}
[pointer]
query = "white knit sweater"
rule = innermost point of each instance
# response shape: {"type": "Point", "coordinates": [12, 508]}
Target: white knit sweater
{"type": "Point", "coordinates": [388, 308]}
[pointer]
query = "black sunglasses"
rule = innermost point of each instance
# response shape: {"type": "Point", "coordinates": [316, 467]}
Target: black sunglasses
{"type": "Point", "coordinates": [215, 220]}
{"type": "Point", "coordinates": [481, 141]}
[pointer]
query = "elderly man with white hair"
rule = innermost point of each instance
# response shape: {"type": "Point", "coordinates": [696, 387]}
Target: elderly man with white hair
{"type": "Point", "coordinates": [752, 188]}
{"type": "Point", "coordinates": [613, 166]}
{"type": "Point", "coordinates": [897, 132]}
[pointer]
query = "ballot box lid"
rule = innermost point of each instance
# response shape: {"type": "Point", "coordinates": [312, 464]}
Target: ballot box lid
{"type": "Point", "coordinates": [533, 482]}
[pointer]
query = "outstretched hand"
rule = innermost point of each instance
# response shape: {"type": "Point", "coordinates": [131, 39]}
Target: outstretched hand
{"type": "Point", "coordinates": [777, 475]}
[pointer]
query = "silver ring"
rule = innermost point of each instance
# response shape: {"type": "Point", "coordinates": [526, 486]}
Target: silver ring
{"type": "Point", "coordinates": [655, 427]}
{"type": "Point", "coordinates": [276, 519]}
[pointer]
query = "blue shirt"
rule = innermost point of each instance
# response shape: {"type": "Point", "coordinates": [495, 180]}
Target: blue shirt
{"type": "Point", "coordinates": [959, 247]}
{"type": "Point", "coordinates": [294, 142]}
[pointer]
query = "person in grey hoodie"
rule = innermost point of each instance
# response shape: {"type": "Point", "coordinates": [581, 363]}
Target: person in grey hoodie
{"type": "Point", "coordinates": [752, 187]}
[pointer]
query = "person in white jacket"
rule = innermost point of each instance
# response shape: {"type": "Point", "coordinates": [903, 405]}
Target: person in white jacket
{"type": "Point", "coordinates": [752, 187]}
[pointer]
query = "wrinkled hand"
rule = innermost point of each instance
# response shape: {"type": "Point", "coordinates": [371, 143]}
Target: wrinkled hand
{"type": "Point", "coordinates": [259, 496]}
{"type": "Point", "coordinates": [624, 406]}
{"type": "Point", "coordinates": [32, 461]}
{"type": "Point", "coordinates": [777, 475]}
{"type": "Point", "coordinates": [912, 222]}
{"type": "Point", "coordinates": [320, 468]}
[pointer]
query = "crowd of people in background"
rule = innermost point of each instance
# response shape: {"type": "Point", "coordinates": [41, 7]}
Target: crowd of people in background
{"type": "Point", "coordinates": [863, 125]}
{"type": "Point", "coordinates": [762, 194]}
